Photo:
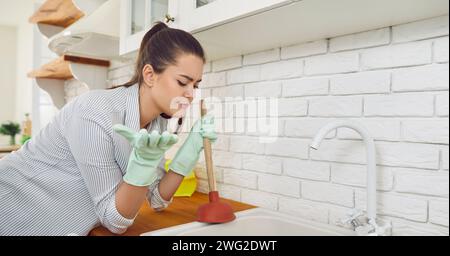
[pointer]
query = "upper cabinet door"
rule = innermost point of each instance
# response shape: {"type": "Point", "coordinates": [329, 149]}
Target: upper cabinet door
{"type": "Point", "coordinates": [198, 15]}
{"type": "Point", "coordinates": [136, 18]}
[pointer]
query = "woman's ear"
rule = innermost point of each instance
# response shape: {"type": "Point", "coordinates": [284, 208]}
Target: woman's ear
{"type": "Point", "coordinates": [148, 75]}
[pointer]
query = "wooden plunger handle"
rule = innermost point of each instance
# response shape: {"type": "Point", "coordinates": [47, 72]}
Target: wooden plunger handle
{"type": "Point", "coordinates": [208, 156]}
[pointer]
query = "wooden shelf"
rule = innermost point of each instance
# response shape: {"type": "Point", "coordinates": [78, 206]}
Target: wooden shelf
{"type": "Point", "coordinates": [61, 13]}
{"type": "Point", "coordinates": [8, 149]}
{"type": "Point", "coordinates": [87, 61]}
{"type": "Point", "coordinates": [60, 68]}
{"type": "Point", "coordinates": [56, 69]}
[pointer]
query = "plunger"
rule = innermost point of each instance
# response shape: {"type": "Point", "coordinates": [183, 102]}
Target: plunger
{"type": "Point", "coordinates": [215, 211]}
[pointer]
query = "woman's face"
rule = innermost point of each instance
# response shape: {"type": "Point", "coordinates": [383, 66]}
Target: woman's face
{"type": "Point", "coordinates": [173, 90]}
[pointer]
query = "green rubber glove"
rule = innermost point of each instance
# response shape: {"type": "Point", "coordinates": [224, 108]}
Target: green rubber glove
{"type": "Point", "coordinates": [148, 149]}
{"type": "Point", "coordinates": [189, 153]}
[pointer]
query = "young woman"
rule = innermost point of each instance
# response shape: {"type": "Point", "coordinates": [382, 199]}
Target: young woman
{"type": "Point", "coordinates": [102, 155]}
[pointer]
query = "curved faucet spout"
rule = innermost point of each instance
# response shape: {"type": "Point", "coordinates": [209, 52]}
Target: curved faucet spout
{"type": "Point", "coordinates": [370, 152]}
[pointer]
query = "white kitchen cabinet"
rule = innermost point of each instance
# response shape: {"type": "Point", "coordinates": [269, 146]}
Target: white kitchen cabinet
{"type": "Point", "coordinates": [198, 15]}
{"type": "Point", "coordinates": [137, 17]}
{"type": "Point", "coordinates": [302, 21]}
{"type": "Point", "coordinates": [227, 28]}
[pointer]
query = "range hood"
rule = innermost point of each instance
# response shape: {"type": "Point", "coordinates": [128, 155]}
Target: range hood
{"type": "Point", "coordinates": [96, 35]}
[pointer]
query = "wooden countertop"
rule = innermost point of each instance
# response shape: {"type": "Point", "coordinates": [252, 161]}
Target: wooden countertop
{"type": "Point", "coordinates": [7, 149]}
{"type": "Point", "coordinates": [182, 210]}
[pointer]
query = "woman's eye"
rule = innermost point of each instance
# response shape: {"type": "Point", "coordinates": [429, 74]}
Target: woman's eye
{"type": "Point", "coordinates": [180, 83]}
{"type": "Point", "coordinates": [195, 86]}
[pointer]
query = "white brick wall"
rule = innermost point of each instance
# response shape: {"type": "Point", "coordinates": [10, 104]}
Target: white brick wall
{"type": "Point", "coordinates": [225, 64]}
{"type": "Point", "coordinates": [444, 157]}
{"type": "Point", "coordinates": [421, 29]}
{"type": "Point", "coordinates": [422, 182]}
{"type": "Point", "coordinates": [408, 155]}
{"type": "Point", "coordinates": [356, 175]}
{"type": "Point", "coordinates": [416, 53]}
{"type": "Point", "coordinates": [213, 80]}
{"type": "Point", "coordinates": [270, 89]}
{"type": "Point", "coordinates": [289, 147]}
{"type": "Point", "coordinates": [305, 87]}
{"type": "Point", "coordinates": [403, 227]}
{"type": "Point", "coordinates": [392, 80]}
{"type": "Point", "coordinates": [240, 178]}
{"type": "Point", "coordinates": [244, 75]}
{"type": "Point", "coordinates": [419, 130]}
{"type": "Point", "coordinates": [442, 104]}
{"type": "Point", "coordinates": [399, 105]}
{"type": "Point", "coordinates": [441, 50]}
{"type": "Point", "coordinates": [292, 107]}
{"type": "Point", "coordinates": [426, 78]}
{"type": "Point", "coordinates": [264, 164]}
{"type": "Point", "coordinates": [246, 144]}
{"type": "Point", "coordinates": [279, 185]}
{"type": "Point", "coordinates": [228, 91]}
{"type": "Point", "coordinates": [227, 159]}
{"type": "Point", "coordinates": [304, 208]}
{"type": "Point", "coordinates": [360, 40]}
{"type": "Point", "coordinates": [361, 83]}
{"type": "Point", "coordinates": [344, 151]}
{"type": "Point", "coordinates": [395, 205]}
{"type": "Point", "coordinates": [259, 198]}
{"type": "Point", "coordinates": [282, 69]}
{"type": "Point", "coordinates": [262, 57]}
{"type": "Point", "coordinates": [326, 192]}
{"type": "Point", "coordinates": [306, 127]}
{"type": "Point", "coordinates": [332, 63]}
{"type": "Point", "coordinates": [309, 170]}
{"type": "Point", "coordinates": [304, 49]}
{"type": "Point", "coordinates": [200, 172]}
{"type": "Point", "coordinates": [439, 211]}
{"type": "Point", "coordinates": [229, 191]}
{"type": "Point", "coordinates": [336, 106]}
{"type": "Point", "coordinates": [379, 128]}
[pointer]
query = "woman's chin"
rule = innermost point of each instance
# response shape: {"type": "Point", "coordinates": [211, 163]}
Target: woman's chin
{"type": "Point", "coordinates": [179, 114]}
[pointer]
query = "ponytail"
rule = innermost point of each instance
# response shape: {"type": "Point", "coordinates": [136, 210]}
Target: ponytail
{"type": "Point", "coordinates": [139, 63]}
{"type": "Point", "coordinates": [160, 48]}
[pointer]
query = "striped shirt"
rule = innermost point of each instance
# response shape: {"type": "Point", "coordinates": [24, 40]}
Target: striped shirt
{"type": "Point", "coordinates": [64, 180]}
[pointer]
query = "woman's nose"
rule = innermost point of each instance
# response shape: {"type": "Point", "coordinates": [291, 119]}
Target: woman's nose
{"type": "Point", "coordinates": [189, 93]}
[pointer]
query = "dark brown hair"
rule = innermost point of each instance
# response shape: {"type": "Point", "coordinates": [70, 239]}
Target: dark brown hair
{"type": "Point", "coordinates": [160, 48]}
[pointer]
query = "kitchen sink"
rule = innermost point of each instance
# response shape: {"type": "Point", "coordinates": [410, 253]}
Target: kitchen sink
{"type": "Point", "coordinates": [255, 222]}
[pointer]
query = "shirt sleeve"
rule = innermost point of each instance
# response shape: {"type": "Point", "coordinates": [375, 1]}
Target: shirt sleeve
{"type": "Point", "coordinates": [93, 150]}
{"type": "Point", "coordinates": [153, 195]}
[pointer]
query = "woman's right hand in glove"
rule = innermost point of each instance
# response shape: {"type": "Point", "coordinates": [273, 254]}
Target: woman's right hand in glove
{"type": "Point", "coordinates": [148, 149]}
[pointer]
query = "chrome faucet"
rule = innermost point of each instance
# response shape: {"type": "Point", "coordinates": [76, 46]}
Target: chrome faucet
{"type": "Point", "coordinates": [371, 228]}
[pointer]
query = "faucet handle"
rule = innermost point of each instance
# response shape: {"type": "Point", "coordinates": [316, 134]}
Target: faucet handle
{"type": "Point", "coordinates": [380, 230]}
{"type": "Point", "coordinates": [351, 218]}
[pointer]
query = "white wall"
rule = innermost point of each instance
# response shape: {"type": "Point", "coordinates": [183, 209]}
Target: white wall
{"type": "Point", "coordinates": [8, 61]}
{"type": "Point", "coordinates": [15, 14]}
{"type": "Point", "coordinates": [393, 80]}
{"type": "Point", "coordinates": [23, 99]}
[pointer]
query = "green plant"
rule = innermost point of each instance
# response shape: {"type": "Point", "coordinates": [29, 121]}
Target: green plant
{"type": "Point", "coordinates": [10, 129]}
{"type": "Point", "coordinates": [24, 139]}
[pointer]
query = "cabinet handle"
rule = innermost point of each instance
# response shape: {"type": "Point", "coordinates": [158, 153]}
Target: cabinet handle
{"type": "Point", "coordinates": [169, 18]}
